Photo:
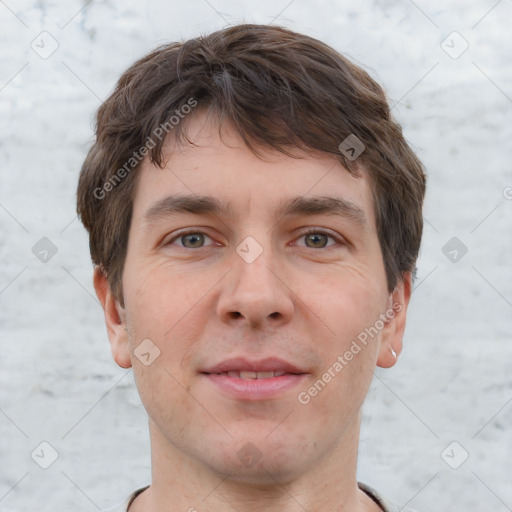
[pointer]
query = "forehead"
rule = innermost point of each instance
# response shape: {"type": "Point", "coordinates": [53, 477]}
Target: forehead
{"type": "Point", "coordinates": [217, 173]}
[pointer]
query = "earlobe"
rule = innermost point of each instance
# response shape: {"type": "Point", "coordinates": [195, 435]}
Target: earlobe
{"type": "Point", "coordinates": [393, 332]}
{"type": "Point", "coordinates": [115, 320]}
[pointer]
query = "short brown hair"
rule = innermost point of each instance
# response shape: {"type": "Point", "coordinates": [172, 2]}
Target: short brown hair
{"type": "Point", "coordinates": [280, 89]}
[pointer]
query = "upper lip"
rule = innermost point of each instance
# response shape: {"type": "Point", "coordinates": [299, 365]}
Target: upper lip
{"type": "Point", "coordinates": [262, 365]}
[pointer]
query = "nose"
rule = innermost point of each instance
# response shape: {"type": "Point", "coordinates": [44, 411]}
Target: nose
{"type": "Point", "coordinates": [256, 293]}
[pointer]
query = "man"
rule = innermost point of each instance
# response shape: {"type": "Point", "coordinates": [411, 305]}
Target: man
{"type": "Point", "coordinates": [255, 216]}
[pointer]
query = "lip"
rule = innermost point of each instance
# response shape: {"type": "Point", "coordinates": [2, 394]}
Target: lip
{"type": "Point", "coordinates": [263, 365]}
{"type": "Point", "coordinates": [254, 389]}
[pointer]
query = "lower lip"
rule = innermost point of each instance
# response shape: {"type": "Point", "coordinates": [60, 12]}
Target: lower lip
{"type": "Point", "coordinates": [255, 389]}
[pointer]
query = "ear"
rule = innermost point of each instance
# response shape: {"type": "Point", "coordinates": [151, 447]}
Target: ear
{"type": "Point", "coordinates": [115, 319]}
{"type": "Point", "coordinates": [393, 331]}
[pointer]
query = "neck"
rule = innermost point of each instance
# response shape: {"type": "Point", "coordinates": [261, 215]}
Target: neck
{"type": "Point", "coordinates": [328, 485]}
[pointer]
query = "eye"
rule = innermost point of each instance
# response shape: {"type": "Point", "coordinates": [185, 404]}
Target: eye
{"type": "Point", "coordinates": [318, 239]}
{"type": "Point", "coordinates": [190, 240]}
{"type": "Point", "coordinates": [314, 239]}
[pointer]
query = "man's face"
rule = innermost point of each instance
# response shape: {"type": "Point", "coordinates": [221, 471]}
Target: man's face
{"type": "Point", "coordinates": [248, 290]}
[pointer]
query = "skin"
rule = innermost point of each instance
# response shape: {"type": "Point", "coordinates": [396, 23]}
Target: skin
{"type": "Point", "coordinates": [199, 302]}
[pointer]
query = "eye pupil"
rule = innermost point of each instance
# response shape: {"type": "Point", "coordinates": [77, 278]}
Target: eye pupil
{"type": "Point", "coordinates": [314, 238]}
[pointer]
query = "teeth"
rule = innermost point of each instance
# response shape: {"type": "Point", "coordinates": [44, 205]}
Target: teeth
{"type": "Point", "coordinates": [253, 375]}
{"type": "Point", "coordinates": [248, 375]}
{"type": "Point", "coordinates": [264, 375]}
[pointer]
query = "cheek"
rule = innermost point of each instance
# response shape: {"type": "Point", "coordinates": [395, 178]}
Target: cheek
{"type": "Point", "coordinates": [348, 307]}
{"type": "Point", "coordinates": [347, 302]}
{"type": "Point", "coordinates": [167, 311]}
{"type": "Point", "coordinates": [159, 297]}
{"type": "Point", "coordinates": [162, 394]}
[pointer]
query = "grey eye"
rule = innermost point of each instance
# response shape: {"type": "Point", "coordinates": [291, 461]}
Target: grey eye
{"type": "Point", "coordinates": [192, 240]}
{"type": "Point", "coordinates": [318, 240]}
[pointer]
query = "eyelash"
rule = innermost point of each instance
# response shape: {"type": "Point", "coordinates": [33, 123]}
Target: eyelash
{"type": "Point", "coordinates": [311, 231]}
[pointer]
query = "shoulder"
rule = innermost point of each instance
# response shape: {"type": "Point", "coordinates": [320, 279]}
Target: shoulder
{"type": "Point", "coordinates": [125, 504]}
{"type": "Point", "coordinates": [385, 504]}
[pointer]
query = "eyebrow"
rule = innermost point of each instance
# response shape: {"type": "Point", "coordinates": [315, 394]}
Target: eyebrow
{"type": "Point", "coordinates": [299, 205]}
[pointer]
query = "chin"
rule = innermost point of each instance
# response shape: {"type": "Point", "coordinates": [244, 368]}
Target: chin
{"type": "Point", "coordinates": [259, 460]}
{"type": "Point", "coordinates": [264, 473]}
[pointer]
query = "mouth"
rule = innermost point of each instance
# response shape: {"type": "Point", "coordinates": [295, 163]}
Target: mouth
{"type": "Point", "coordinates": [254, 380]}
{"type": "Point", "coordinates": [238, 374]}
